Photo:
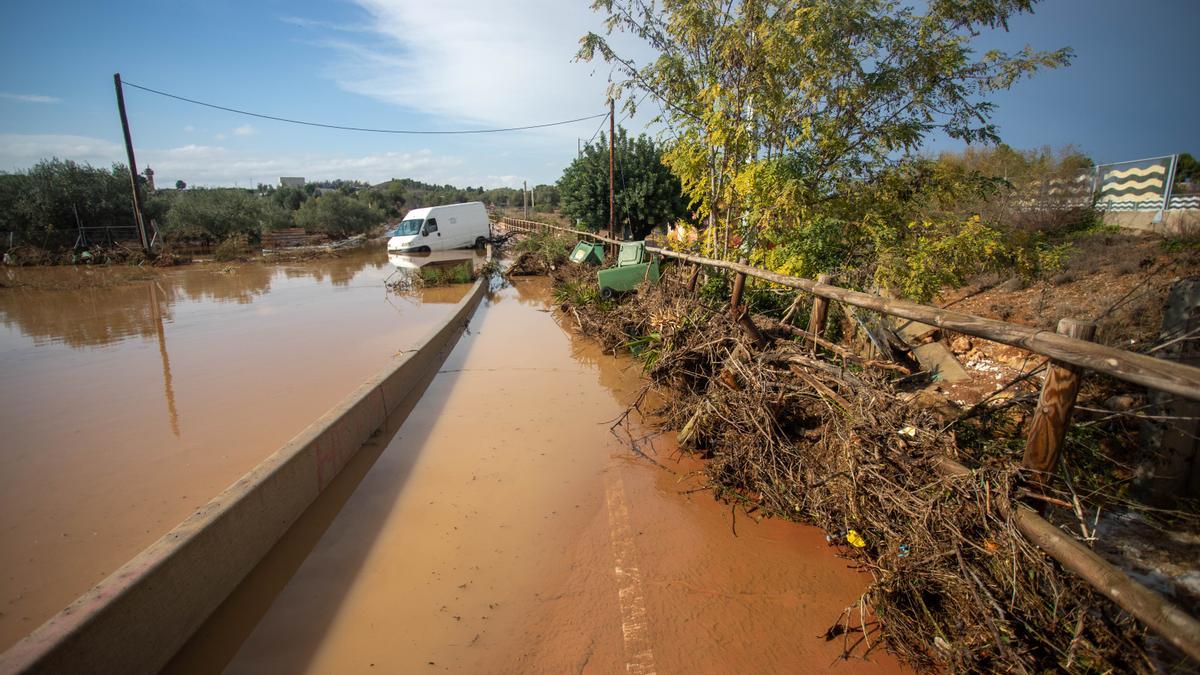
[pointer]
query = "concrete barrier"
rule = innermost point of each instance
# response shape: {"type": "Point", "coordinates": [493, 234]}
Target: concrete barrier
{"type": "Point", "coordinates": [135, 620]}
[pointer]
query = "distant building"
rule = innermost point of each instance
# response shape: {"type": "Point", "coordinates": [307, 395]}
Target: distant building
{"type": "Point", "coordinates": [149, 179]}
{"type": "Point", "coordinates": [291, 181]}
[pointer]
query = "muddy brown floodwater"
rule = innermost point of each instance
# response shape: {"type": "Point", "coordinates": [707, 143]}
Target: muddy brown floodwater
{"type": "Point", "coordinates": [503, 528]}
{"type": "Point", "coordinates": [126, 405]}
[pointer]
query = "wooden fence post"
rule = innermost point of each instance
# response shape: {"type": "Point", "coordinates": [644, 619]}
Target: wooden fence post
{"type": "Point", "coordinates": [1049, 427]}
{"type": "Point", "coordinates": [820, 310]}
{"type": "Point", "coordinates": [739, 285]}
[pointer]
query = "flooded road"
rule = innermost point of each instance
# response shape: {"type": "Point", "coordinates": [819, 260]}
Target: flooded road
{"type": "Point", "coordinates": [127, 404]}
{"type": "Point", "coordinates": [503, 528]}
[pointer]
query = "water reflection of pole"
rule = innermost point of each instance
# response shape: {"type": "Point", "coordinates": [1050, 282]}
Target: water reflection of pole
{"type": "Point", "coordinates": [168, 390]}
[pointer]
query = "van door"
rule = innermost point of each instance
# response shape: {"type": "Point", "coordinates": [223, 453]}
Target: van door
{"type": "Point", "coordinates": [432, 234]}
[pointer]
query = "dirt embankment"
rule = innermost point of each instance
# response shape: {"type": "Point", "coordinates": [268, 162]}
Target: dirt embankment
{"type": "Point", "coordinates": [1119, 281]}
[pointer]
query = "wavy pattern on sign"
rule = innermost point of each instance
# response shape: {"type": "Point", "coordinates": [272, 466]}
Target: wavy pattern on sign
{"type": "Point", "coordinates": [1110, 186]}
{"type": "Point", "coordinates": [1136, 171]}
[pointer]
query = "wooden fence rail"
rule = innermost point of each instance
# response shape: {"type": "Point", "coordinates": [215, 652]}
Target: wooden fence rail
{"type": "Point", "coordinates": [1147, 371]}
{"type": "Point", "coordinates": [1068, 354]}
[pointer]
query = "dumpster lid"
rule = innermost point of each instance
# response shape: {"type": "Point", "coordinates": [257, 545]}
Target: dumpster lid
{"type": "Point", "coordinates": [631, 253]}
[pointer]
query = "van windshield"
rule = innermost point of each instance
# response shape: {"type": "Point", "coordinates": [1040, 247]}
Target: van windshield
{"type": "Point", "coordinates": [408, 228]}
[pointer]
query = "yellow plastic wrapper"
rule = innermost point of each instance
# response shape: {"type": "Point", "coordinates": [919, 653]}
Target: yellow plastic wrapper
{"type": "Point", "coordinates": [855, 539]}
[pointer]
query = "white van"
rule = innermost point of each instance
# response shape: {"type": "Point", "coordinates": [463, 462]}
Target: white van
{"type": "Point", "coordinates": [440, 228]}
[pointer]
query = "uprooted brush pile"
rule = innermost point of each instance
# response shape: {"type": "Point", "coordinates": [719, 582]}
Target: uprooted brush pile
{"type": "Point", "coordinates": [538, 253]}
{"type": "Point", "coordinates": [955, 586]}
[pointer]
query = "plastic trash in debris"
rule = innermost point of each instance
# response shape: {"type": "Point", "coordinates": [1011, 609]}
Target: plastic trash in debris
{"type": "Point", "coordinates": [904, 551]}
{"type": "Point", "coordinates": [855, 539]}
{"type": "Point", "coordinates": [909, 431]}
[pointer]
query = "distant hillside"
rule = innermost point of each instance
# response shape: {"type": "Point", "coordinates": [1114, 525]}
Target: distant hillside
{"type": "Point", "coordinates": [400, 195]}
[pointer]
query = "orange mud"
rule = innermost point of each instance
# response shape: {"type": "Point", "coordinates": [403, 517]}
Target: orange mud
{"type": "Point", "coordinates": [126, 405]}
{"type": "Point", "coordinates": [503, 528]}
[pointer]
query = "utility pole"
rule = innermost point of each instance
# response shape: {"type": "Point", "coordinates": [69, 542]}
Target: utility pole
{"type": "Point", "coordinates": [138, 219]}
{"type": "Point", "coordinates": [612, 212]}
{"type": "Point", "coordinates": [525, 198]}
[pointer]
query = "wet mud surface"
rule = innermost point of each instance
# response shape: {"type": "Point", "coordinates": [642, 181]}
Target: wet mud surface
{"type": "Point", "coordinates": [503, 528]}
{"type": "Point", "coordinates": [129, 398]}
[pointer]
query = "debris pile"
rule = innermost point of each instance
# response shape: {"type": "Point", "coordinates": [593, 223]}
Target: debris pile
{"type": "Point", "coordinates": [788, 433]}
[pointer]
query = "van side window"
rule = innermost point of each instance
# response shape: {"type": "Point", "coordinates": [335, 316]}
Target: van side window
{"type": "Point", "coordinates": [431, 225]}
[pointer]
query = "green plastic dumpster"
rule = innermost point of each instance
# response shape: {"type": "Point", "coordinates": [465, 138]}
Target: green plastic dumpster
{"type": "Point", "coordinates": [633, 267]}
{"type": "Point", "coordinates": [590, 253]}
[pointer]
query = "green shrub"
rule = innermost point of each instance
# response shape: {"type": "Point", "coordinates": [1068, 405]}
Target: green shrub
{"type": "Point", "coordinates": [234, 247]}
{"type": "Point", "coordinates": [442, 275]}
{"type": "Point", "coordinates": [552, 247]}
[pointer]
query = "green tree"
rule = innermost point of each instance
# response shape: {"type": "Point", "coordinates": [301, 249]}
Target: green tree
{"type": "Point", "coordinates": [1188, 168]}
{"type": "Point", "coordinates": [288, 198]}
{"type": "Point", "coordinates": [214, 214]}
{"type": "Point", "coordinates": [180, 185]}
{"type": "Point", "coordinates": [647, 193]}
{"type": "Point", "coordinates": [57, 196]}
{"type": "Point", "coordinates": [337, 215]}
{"type": "Point", "coordinates": [783, 111]}
{"type": "Point", "coordinates": [389, 198]}
{"type": "Point", "coordinates": [546, 197]}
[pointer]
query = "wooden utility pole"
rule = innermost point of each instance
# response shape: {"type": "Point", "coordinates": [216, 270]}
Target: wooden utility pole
{"type": "Point", "coordinates": [525, 198]}
{"type": "Point", "coordinates": [1049, 427]}
{"type": "Point", "coordinates": [612, 211]}
{"type": "Point", "coordinates": [138, 219]}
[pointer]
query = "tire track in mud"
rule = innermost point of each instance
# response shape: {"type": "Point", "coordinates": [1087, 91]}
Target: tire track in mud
{"type": "Point", "coordinates": [635, 623]}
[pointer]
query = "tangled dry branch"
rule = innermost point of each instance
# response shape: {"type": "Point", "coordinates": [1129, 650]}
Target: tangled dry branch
{"type": "Point", "coordinates": [955, 585]}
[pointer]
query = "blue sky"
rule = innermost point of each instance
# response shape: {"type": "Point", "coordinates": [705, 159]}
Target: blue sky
{"type": "Point", "coordinates": [1131, 92]}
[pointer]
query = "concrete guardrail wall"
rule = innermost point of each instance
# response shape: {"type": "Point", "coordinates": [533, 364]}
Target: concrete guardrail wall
{"type": "Point", "coordinates": [135, 620]}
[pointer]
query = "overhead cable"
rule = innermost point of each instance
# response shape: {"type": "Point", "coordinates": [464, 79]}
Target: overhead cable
{"type": "Point", "coordinates": [362, 129]}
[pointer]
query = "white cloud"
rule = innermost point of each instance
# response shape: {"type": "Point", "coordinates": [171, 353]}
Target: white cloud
{"type": "Point", "coordinates": [245, 130]}
{"type": "Point", "coordinates": [503, 181]}
{"type": "Point", "coordinates": [303, 22]}
{"type": "Point", "coordinates": [477, 62]}
{"type": "Point", "coordinates": [23, 150]}
{"type": "Point", "coordinates": [30, 98]}
{"type": "Point", "coordinates": [216, 165]}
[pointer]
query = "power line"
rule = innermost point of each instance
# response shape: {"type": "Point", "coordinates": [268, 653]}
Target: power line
{"type": "Point", "coordinates": [630, 114]}
{"type": "Point", "coordinates": [364, 129]}
{"type": "Point", "coordinates": [625, 117]}
{"type": "Point", "coordinates": [597, 131]}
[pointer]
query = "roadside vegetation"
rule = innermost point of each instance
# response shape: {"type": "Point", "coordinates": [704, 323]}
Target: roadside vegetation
{"type": "Point", "coordinates": [44, 210]}
{"type": "Point", "coordinates": [646, 192]}
{"type": "Point", "coordinates": [795, 155]}
{"type": "Point", "coordinates": [795, 134]}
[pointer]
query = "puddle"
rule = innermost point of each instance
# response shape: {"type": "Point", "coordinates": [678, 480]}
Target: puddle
{"type": "Point", "coordinates": [505, 529]}
{"type": "Point", "coordinates": [127, 404]}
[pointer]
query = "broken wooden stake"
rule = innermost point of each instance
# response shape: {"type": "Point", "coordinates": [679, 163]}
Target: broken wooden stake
{"type": "Point", "coordinates": [820, 310]}
{"type": "Point", "coordinates": [1049, 427]}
